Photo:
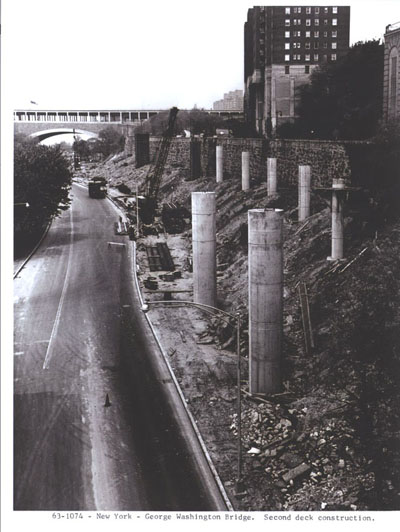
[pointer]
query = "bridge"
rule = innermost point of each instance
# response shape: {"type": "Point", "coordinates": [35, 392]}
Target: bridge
{"type": "Point", "coordinates": [47, 123]}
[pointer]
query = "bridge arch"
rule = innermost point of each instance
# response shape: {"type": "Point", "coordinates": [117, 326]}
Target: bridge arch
{"type": "Point", "coordinates": [47, 133]}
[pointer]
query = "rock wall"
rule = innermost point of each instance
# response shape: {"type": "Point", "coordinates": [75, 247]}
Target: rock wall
{"type": "Point", "coordinates": [328, 159]}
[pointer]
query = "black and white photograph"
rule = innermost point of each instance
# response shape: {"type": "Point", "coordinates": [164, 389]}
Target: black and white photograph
{"type": "Point", "coordinates": [200, 228]}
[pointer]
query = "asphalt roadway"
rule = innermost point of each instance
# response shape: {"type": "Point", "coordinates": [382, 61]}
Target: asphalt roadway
{"type": "Point", "coordinates": [97, 421]}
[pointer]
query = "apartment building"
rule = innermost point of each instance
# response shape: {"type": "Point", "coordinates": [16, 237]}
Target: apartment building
{"type": "Point", "coordinates": [232, 101]}
{"type": "Point", "coordinates": [282, 46]}
{"type": "Point", "coordinates": [391, 74]}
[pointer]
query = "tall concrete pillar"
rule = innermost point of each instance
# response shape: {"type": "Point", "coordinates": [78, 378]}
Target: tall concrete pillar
{"type": "Point", "coordinates": [204, 248]}
{"type": "Point", "coordinates": [271, 176]}
{"type": "Point", "coordinates": [337, 219]}
{"type": "Point", "coordinates": [304, 192]}
{"type": "Point", "coordinates": [220, 164]}
{"type": "Point", "coordinates": [265, 300]}
{"type": "Point", "coordinates": [245, 170]}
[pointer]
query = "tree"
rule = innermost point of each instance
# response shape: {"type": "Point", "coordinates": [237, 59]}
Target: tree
{"type": "Point", "coordinates": [344, 99]}
{"type": "Point", "coordinates": [110, 141]}
{"type": "Point", "coordinates": [42, 179]}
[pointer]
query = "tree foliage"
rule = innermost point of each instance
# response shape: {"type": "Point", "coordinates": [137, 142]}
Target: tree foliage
{"type": "Point", "coordinates": [344, 99]}
{"type": "Point", "coordinates": [42, 179]}
{"type": "Point", "coordinates": [110, 141]}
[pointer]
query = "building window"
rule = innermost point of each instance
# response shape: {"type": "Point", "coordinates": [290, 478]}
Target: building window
{"type": "Point", "coordinates": [316, 34]}
{"type": "Point", "coordinates": [334, 34]}
{"type": "Point", "coordinates": [334, 10]}
{"type": "Point", "coordinates": [287, 22]}
{"type": "Point", "coordinates": [308, 10]}
{"type": "Point", "coordinates": [287, 69]}
{"type": "Point", "coordinates": [287, 57]}
{"type": "Point", "coordinates": [316, 57]}
{"type": "Point", "coordinates": [287, 34]}
{"type": "Point", "coordinates": [325, 45]}
{"type": "Point", "coordinates": [316, 21]}
{"type": "Point", "coordinates": [326, 9]}
{"type": "Point", "coordinates": [333, 57]}
{"type": "Point", "coordinates": [297, 22]}
{"type": "Point", "coordinates": [316, 45]}
{"type": "Point", "coordinates": [307, 69]}
{"type": "Point", "coordinates": [325, 34]}
{"type": "Point", "coordinates": [316, 10]}
{"type": "Point", "coordinates": [308, 22]}
{"type": "Point", "coordinates": [308, 45]}
{"type": "Point", "coordinates": [287, 10]}
{"type": "Point", "coordinates": [287, 45]}
{"type": "Point", "coordinates": [307, 57]}
{"type": "Point", "coordinates": [308, 34]}
{"type": "Point", "coordinates": [297, 34]}
{"type": "Point", "coordinates": [334, 22]}
{"type": "Point", "coordinates": [325, 21]}
{"type": "Point", "coordinates": [334, 46]}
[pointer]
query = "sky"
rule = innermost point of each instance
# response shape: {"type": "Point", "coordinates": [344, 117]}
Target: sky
{"type": "Point", "coordinates": [79, 54]}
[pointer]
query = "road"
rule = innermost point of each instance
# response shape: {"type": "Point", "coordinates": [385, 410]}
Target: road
{"type": "Point", "coordinates": [95, 426]}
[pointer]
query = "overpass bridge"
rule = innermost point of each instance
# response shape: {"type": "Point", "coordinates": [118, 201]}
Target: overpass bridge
{"type": "Point", "coordinates": [47, 123]}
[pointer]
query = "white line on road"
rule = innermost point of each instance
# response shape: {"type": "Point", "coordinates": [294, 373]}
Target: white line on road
{"type": "Point", "coordinates": [63, 293]}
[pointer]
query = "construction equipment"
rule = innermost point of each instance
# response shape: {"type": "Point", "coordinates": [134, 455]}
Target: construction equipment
{"type": "Point", "coordinates": [97, 187]}
{"type": "Point", "coordinates": [153, 178]}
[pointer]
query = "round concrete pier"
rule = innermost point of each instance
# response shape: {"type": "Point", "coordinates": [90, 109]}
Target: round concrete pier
{"type": "Point", "coordinates": [220, 164]}
{"type": "Point", "coordinates": [204, 248]}
{"type": "Point", "coordinates": [245, 170]}
{"type": "Point", "coordinates": [272, 185]}
{"type": "Point", "coordinates": [304, 192]}
{"type": "Point", "coordinates": [265, 300]}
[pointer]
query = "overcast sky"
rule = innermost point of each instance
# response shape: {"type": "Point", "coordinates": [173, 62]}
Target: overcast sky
{"type": "Point", "coordinates": [138, 54]}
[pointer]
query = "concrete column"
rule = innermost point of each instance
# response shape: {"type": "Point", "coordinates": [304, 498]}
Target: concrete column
{"type": "Point", "coordinates": [245, 170]}
{"type": "Point", "coordinates": [265, 300]}
{"type": "Point", "coordinates": [220, 164]}
{"type": "Point", "coordinates": [337, 219]}
{"type": "Point", "coordinates": [271, 176]}
{"type": "Point", "coordinates": [204, 248]}
{"type": "Point", "coordinates": [304, 192]}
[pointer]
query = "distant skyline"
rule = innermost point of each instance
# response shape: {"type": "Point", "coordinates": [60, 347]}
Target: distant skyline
{"type": "Point", "coordinates": [130, 54]}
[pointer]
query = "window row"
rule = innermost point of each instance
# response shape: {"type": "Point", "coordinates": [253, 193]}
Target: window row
{"type": "Point", "coordinates": [306, 69]}
{"type": "Point", "coordinates": [307, 34]}
{"type": "Point", "coordinates": [307, 45]}
{"type": "Point", "coordinates": [307, 57]}
{"type": "Point", "coordinates": [299, 22]}
{"type": "Point", "coordinates": [317, 10]}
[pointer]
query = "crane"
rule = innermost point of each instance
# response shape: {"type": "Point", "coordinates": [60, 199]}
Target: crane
{"type": "Point", "coordinates": [153, 177]}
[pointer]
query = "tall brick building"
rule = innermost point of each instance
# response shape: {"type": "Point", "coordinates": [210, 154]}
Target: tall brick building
{"type": "Point", "coordinates": [282, 45]}
{"type": "Point", "coordinates": [391, 77]}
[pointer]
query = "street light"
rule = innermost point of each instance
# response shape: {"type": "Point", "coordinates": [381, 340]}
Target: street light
{"type": "Point", "coordinates": [213, 310]}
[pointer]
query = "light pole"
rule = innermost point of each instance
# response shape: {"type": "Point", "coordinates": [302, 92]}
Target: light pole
{"type": "Point", "coordinates": [214, 311]}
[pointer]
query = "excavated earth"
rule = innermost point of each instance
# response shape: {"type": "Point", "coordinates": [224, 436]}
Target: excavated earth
{"type": "Point", "coordinates": [330, 440]}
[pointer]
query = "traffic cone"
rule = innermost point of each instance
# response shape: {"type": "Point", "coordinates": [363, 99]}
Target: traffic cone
{"type": "Point", "coordinates": [107, 403]}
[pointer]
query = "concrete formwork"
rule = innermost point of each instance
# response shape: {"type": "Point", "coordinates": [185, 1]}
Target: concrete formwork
{"type": "Point", "coordinates": [304, 192]}
{"type": "Point", "coordinates": [245, 170]}
{"type": "Point", "coordinates": [220, 164]}
{"type": "Point", "coordinates": [272, 184]}
{"type": "Point", "coordinates": [265, 299]}
{"type": "Point", "coordinates": [204, 248]}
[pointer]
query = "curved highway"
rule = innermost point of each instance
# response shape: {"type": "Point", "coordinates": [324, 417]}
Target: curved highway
{"type": "Point", "coordinates": [97, 421]}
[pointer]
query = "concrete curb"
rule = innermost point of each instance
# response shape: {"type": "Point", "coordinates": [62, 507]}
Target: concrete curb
{"type": "Point", "coordinates": [181, 395]}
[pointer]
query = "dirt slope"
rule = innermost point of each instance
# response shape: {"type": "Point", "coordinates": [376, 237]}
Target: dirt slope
{"type": "Point", "coordinates": [331, 439]}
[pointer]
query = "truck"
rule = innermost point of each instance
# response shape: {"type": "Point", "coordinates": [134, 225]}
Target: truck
{"type": "Point", "coordinates": [97, 187]}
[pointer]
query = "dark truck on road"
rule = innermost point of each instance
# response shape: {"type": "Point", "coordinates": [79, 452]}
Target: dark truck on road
{"type": "Point", "coordinates": [97, 187]}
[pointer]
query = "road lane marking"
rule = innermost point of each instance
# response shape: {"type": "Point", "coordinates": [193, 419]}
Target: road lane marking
{"type": "Point", "coordinates": [63, 293]}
